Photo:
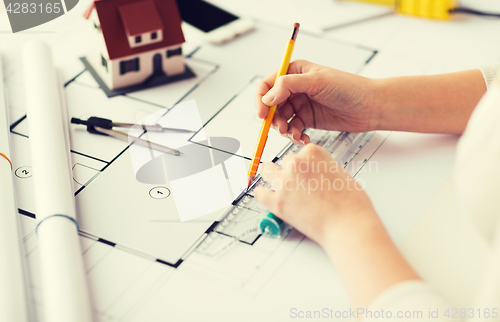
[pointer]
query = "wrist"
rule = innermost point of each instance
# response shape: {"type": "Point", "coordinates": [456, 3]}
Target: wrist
{"type": "Point", "coordinates": [354, 227]}
{"type": "Point", "coordinates": [379, 105]}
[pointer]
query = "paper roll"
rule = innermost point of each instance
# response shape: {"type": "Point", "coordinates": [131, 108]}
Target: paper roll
{"type": "Point", "coordinates": [13, 300]}
{"type": "Point", "coordinates": [65, 294]}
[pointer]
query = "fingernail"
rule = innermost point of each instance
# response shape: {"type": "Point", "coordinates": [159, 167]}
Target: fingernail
{"type": "Point", "coordinates": [303, 142]}
{"type": "Point", "coordinates": [268, 98]}
{"type": "Point", "coordinates": [290, 135]}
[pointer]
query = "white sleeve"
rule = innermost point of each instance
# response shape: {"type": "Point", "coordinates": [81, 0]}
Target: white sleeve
{"type": "Point", "coordinates": [409, 301]}
{"type": "Point", "coordinates": [477, 186]}
{"type": "Point", "coordinates": [489, 73]}
{"type": "Point", "coordinates": [419, 301]}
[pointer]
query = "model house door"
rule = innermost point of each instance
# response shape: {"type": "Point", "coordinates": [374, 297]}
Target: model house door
{"type": "Point", "coordinates": [157, 69]}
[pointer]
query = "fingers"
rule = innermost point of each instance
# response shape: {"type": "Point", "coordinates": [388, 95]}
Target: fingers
{"type": "Point", "coordinates": [270, 94]}
{"type": "Point", "coordinates": [265, 197]}
{"type": "Point", "coordinates": [296, 126]}
{"type": "Point", "coordinates": [262, 88]}
{"type": "Point", "coordinates": [290, 131]}
{"type": "Point", "coordinates": [298, 80]}
{"type": "Point", "coordinates": [280, 124]}
{"type": "Point", "coordinates": [281, 117]}
{"type": "Point", "coordinates": [301, 66]}
{"type": "Point", "coordinates": [262, 108]}
{"type": "Point", "coordinates": [270, 172]}
{"type": "Point", "coordinates": [272, 91]}
{"type": "Point", "coordinates": [304, 139]}
{"type": "Point", "coordinates": [286, 110]}
{"type": "Point", "coordinates": [285, 86]}
{"type": "Point", "coordinates": [313, 150]}
{"type": "Point", "coordinates": [293, 134]}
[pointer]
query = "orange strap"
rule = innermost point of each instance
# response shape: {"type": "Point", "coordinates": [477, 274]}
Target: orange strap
{"type": "Point", "coordinates": [7, 160]}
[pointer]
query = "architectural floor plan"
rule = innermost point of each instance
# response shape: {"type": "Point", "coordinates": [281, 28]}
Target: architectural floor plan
{"type": "Point", "coordinates": [143, 263]}
{"type": "Point", "coordinates": [130, 239]}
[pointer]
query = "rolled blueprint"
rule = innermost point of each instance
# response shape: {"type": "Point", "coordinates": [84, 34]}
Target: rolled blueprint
{"type": "Point", "coordinates": [65, 295]}
{"type": "Point", "coordinates": [13, 300]}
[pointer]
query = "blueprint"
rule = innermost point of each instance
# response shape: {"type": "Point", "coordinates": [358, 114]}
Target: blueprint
{"type": "Point", "coordinates": [133, 241]}
{"type": "Point", "coordinates": [142, 262]}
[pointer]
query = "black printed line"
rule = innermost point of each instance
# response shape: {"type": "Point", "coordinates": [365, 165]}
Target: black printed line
{"type": "Point", "coordinates": [212, 227]}
{"type": "Point", "coordinates": [88, 156]}
{"type": "Point", "coordinates": [375, 52]}
{"type": "Point", "coordinates": [26, 213]}
{"type": "Point", "coordinates": [16, 123]}
{"type": "Point", "coordinates": [114, 159]}
{"type": "Point", "coordinates": [193, 52]}
{"type": "Point", "coordinates": [23, 135]}
{"type": "Point", "coordinates": [79, 190]}
{"type": "Point", "coordinates": [177, 264]}
{"type": "Point", "coordinates": [71, 80]}
{"type": "Point", "coordinates": [107, 242]}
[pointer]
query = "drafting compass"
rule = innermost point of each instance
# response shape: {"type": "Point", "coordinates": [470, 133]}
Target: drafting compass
{"type": "Point", "coordinates": [102, 126]}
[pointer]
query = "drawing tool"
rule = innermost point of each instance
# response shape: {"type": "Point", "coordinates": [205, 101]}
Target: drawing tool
{"type": "Point", "coordinates": [270, 225]}
{"type": "Point", "coordinates": [427, 8]}
{"type": "Point", "coordinates": [65, 294]}
{"type": "Point", "coordinates": [266, 124]}
{"type": "Point", "coordinates": [153, 128]}
{"type": "Point", "coordinates": [13, 300]}
{"type": "Point", "coordinates": [344, 147]}
{"type": "Point", "coordinates": [98, 125]}
{"type": "Point", "coordinates": [146, 143]}
{"type": "Point", "coordinates": [108, 124]}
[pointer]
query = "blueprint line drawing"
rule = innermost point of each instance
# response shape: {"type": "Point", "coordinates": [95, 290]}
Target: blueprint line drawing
{"type": "Point", "coordinates": [129, 257]}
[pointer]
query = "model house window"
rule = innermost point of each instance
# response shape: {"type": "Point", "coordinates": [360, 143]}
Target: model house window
{"type": "Point", "coordinates": [174, 52]}
{"type": "Point", "coordinates": [154, 35]}
{"type": "Point", "coordinates": [104, 62]}
{"type": "Point", "coordinates": [138, 39]}
{"type": "Point", "coordinates": [129, 66]}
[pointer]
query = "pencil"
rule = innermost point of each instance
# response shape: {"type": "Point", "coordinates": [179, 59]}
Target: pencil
{"type": "Point", "coordinates": [266, 124]}
{"type": "Point", "coordinates": [13, 295]}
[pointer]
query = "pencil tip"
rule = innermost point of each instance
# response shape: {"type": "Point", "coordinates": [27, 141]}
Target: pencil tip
{"type": "Point", "coordinates": [249, 180]}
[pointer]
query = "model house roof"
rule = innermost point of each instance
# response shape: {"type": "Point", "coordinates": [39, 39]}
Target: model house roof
{"type": "Point", "coordinates": [119, 18]}
{"type": "Point", "coordinates": [140, 17]}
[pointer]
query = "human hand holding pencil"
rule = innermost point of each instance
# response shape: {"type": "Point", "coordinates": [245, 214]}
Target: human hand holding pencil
{"type": "Point", "coordinates": [266, 125]}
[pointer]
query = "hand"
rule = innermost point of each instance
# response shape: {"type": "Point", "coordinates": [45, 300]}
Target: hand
{"type": "Point", "coordinates": [313, 194]}
{"type": "Point", "coordinates": [314, 96]}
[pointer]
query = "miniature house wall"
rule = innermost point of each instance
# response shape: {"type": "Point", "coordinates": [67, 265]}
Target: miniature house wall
{"type": "Point", "coordinates": [131, 41]}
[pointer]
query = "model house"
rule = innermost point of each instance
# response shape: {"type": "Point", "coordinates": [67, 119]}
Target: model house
{"type": "Point", "coordinates": [134, 42]}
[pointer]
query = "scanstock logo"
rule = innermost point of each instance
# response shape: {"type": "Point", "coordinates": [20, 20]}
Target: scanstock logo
{"type": "Point", "coordinates": [26, 14]}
